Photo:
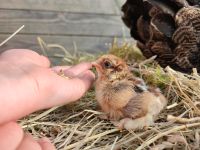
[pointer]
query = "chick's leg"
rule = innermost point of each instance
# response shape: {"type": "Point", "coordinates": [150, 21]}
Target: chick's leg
{"type": "Point", "coordinates": [104, 116]}
{"type": "Point", "coordinates": [120, 124]}
{"type": "Point", "coordinates": [139, 123]}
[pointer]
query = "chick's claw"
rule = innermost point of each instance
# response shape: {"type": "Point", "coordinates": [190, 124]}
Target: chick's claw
{"type": "Point", "coordinates": [119, 125]}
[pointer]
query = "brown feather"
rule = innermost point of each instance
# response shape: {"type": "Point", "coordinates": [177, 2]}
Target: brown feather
{"type": "Point", "coordinates": [169, 29]}
{"type": "Point", "coordinates": [122, 95]}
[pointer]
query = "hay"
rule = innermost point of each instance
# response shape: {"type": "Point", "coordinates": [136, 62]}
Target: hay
{"type": "Point", "coordinates": [12, 35]}
{"type": "Point", "coordinates": [78, 126]}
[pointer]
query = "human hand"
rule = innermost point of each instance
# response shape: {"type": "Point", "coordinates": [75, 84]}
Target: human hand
{"type": "Point", "coordinates": [28, 84]}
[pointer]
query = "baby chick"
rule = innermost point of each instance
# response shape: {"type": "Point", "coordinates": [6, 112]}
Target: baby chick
{"type": "Point", "coordinates": [124, 98]}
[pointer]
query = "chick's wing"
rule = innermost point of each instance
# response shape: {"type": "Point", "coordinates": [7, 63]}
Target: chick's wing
{"type": "Point", "coordinates": [136, 107]}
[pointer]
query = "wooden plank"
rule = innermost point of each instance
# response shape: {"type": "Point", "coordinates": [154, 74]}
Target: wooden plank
{"type": "Point", "coordinates": [53, 23]}
{"type": "Point", "coordinates": [81, 6]}
{"type": "Point", "coordinates": [84, 43]}
{"type": "Point", "coordinates": [87, 44]}
{"type": "Point", "coordinates": [120, 3]}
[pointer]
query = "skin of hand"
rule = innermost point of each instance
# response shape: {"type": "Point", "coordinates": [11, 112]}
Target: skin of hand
{"type": "Point", "coordinates": [123, 97]}
{"type": "Point", "coordinates": [29, 84]}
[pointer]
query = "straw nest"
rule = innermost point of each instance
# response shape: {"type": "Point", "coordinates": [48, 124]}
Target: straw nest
{"type": "Point", "coordinates": [78, 126]}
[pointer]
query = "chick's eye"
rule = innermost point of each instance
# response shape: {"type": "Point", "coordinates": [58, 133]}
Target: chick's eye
{"type": "Point", "coordinates": [107, 64]}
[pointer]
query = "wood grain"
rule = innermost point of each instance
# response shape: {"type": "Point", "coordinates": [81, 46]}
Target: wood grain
{"type": "Point", "coordinates": [90, 24]}
{"type": "Point", "coordinates": [84, 43]}
{"type": "Point", "coordinates": [57, 23]}
{"type": "Point", "coordinates": [81, 6]}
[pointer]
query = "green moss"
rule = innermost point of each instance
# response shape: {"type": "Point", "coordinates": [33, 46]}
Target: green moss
{"type": "Point", "coordinates": [157, 78]}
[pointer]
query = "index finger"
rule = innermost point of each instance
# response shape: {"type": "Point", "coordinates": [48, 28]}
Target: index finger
{"type": "Point", "coordinates": [69, 89]}
{"type": "Point", "coordinates": [78, 69]}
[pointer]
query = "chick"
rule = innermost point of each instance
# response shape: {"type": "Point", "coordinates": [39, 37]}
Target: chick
{"type": "Point", "coordinates": [125, 99]}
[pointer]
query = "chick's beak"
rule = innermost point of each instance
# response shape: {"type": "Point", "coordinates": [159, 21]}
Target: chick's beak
{"type": "Point", "coordinates": [97, 66]}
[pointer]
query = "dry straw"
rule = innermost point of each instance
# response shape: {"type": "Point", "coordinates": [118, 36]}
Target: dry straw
{"type": "Point", "coordinates": [12, 35]}
{"type": "Point", "coordinates": [77, 126]}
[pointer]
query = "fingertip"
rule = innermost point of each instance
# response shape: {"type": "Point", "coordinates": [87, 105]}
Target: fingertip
{"type": "Point", "coordinates": [66, 90]}
{"type": "Point", "coordinates": [87, 76]}
{"type": "Point", "coordinates": [80, 85]}
{"type": "Point", "coordinates": [44, 140]}
{"type": "Point", "coordinates": [29, 143]}
{"type": "Point", "coordinates": [10, 132]}
{"type": "Point", "coordinates": [46, 144]}
{"type": "Point", "coordinates": [79, 68]}
{"type": "Point", "coordinates": [71, 90]}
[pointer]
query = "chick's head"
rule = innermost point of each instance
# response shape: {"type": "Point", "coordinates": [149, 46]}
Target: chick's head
{"type": "Point", "coordinates": [110, 67]}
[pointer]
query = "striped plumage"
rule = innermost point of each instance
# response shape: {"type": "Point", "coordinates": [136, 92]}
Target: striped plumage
{"type": "Point", "coordinates": [169, 29]}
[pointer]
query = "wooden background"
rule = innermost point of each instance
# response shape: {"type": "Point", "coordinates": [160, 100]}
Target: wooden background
{"type": "Point", "coordinates": [90, 24]}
